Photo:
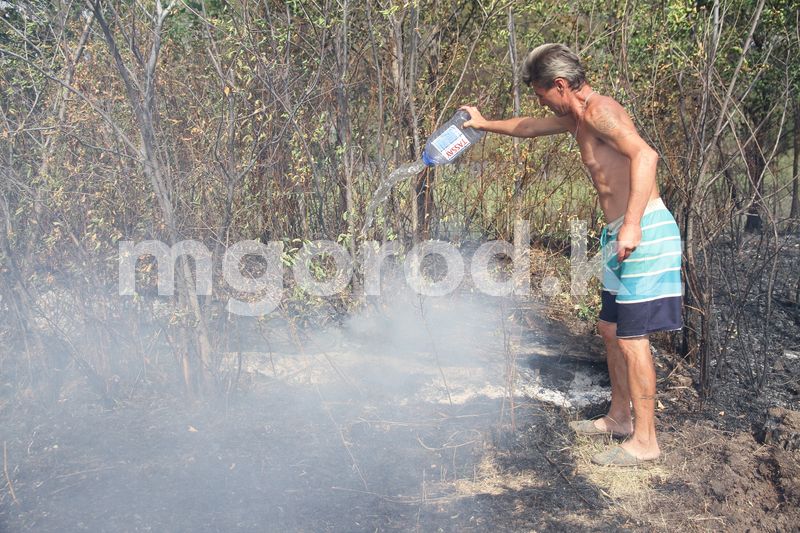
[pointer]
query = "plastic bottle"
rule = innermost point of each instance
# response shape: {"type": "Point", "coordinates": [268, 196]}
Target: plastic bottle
{"type": "Point", "coordinates": [450, 141]}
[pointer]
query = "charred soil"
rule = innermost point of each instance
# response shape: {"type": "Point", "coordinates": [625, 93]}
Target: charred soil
{"type": "Point", "coordinates": [276, 458]}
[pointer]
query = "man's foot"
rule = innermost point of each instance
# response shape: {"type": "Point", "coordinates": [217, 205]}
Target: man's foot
{"type": "Point", "coordinates": [615, 456]}
{"type": "Point", "coordinates": [626, 454]}
{"type": "Point", "coordinates": [644, 451]}
{"type": "Point", "coordinates": [602, 426]}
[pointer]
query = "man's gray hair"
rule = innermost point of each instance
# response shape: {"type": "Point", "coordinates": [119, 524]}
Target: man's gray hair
{"type": "Point", "coordinates": [547, 62]}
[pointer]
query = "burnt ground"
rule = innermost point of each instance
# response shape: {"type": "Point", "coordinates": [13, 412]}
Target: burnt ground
{"type": "Point", "coordinates": [275, 458]}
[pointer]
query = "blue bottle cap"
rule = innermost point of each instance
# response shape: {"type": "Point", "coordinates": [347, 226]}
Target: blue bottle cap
{"type": "Point", "coordinates": [425, 159]}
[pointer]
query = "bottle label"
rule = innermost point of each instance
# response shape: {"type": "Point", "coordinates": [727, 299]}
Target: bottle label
{"type": "Point", "coordinates": [451, 142]}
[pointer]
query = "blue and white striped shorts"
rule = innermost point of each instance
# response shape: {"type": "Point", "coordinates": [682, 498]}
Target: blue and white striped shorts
{"type": "Point", "coordinates": [643, 294]}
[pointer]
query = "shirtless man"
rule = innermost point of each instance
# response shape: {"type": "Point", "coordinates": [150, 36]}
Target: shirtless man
{"type": "Point", "coordinates": [641, 243]}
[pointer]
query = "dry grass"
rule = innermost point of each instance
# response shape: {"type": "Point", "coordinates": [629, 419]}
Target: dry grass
{"type": "Point", "coordinates": [627, 486]}
{"type": "Point", "coordinates": [489, 479]}
{"type": "Point", "coordinates": [630, 489]}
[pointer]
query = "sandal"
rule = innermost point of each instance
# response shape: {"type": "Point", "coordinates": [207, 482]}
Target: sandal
{"type": "Point", "coordinates": [587, 427]}
{"type": "Point", "coordinates": [617, 456]}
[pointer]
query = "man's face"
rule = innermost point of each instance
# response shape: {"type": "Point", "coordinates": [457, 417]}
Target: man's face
{"type": "Point", "coordinates": [551, 98]}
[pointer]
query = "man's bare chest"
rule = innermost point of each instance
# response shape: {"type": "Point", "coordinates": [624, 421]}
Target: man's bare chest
{"type": "Point", "coordinates": [599, 157]}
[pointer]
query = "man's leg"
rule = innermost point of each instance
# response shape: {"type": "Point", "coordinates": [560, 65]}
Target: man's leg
{"type": "Point", "coordinates": [641, 381]}
{"type": "Point", "coordinates": [618, 418]}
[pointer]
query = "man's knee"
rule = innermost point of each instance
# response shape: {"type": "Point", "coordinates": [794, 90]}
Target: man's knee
{"type": "Point", "coordinates": [635, 347]}
{"type": "Point", "coordinates": [607, 330]}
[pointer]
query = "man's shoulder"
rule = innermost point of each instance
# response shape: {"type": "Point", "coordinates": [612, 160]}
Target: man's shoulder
{"type": "Point", "coordinates": [601, 104]}
{"type": "Point", "coordinates": [606, 114]}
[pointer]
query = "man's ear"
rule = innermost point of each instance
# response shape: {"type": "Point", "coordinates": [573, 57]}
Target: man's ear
{"type": "Point", "coordinates": [560, 84]}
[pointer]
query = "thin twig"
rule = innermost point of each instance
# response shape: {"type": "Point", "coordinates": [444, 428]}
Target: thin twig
{"type": "Point", "coordinates": [401, 500]}
{"type": "Point", "coordinates": [82, 472]}
{"type": "Point", "coordinates": [341, 437]}
{"type": "Point", "coordinates": [454, 446]}
{"type": "Point", "coordinates": [435, 350]}
{"type": "Point", "coordinates": [511, 367]}
{"type": "Point", "coordinates": [565, 478]}
{"type": "Point", "coordinates": [8, 478]}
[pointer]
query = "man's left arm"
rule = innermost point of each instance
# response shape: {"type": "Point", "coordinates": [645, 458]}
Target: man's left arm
{"type": "Point", "coordinates": [612, 124]}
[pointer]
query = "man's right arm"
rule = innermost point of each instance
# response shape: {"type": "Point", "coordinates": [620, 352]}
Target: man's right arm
{"type": "Point", "coordinates": [518, 126]}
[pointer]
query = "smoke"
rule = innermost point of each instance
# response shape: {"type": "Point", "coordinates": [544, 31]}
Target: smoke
{"type": "Point", "coordinates": [322, 425]}
{"type": "Point", "coordinates": [400, 345]}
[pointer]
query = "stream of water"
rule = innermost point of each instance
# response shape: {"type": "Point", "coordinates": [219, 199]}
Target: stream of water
{"type": "Point", "coordinates": [382, 192]}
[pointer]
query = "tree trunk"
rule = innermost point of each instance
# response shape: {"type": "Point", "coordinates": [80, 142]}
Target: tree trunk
{"type": "Point", "coordinates": [794, 212]}
{"type": "Point", "coordinates": [755, 169]}
{"type": "Point", "coordinates": [343, 123]}
{"type": "Point", "coordinates": [379, 89]}
{"type": "Point", "coordinates": [422, 184]}
{"type": "Point", "coordinates": [424, 204]}
{"type": "Point", "coordinates": [141, 94]}
{"type": "Point", "coordinates": [518, 175]}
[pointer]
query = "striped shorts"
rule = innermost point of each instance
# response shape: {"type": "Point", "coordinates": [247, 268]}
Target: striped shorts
{"type": "Point", "coordinates": [642, 294]}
